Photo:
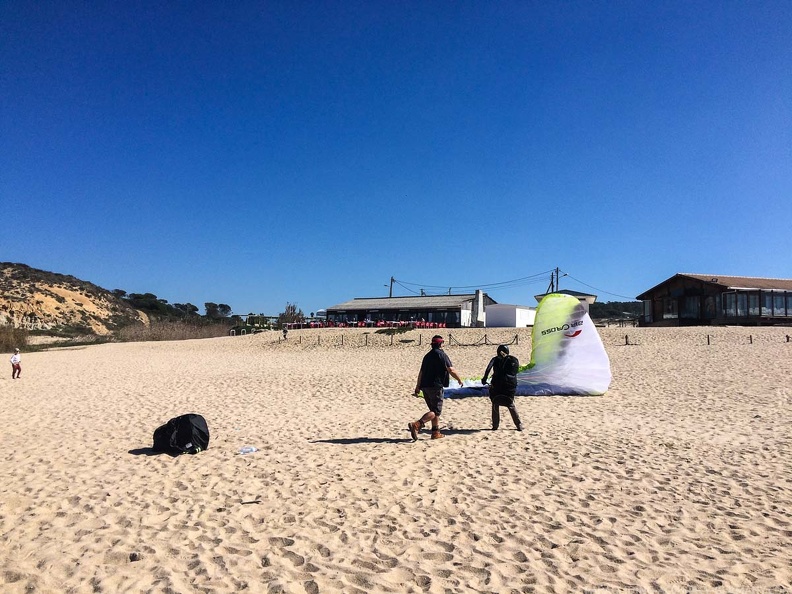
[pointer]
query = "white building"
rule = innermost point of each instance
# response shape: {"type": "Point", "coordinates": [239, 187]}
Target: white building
{"type": "Point", "coordinates": [503, 315]}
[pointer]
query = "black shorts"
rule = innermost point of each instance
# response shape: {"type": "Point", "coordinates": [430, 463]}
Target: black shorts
{"type": "Point", "coordinates": [434, 399]}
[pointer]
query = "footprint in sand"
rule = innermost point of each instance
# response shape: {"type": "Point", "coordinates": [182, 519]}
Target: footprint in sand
{"type": "Point", "coordinates": [367, 565]}
{"type": "Point", "coordinates": [296, 560]}
{"type": "Point", "coordinates": [424, 581]}
{"type": "Point", "coordinates": [439, 557]}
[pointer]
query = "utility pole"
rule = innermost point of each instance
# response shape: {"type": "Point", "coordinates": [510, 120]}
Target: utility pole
{"type": "Point", "coordinates": [553, 281]}
{"type": "Point", "coordinates": [390, 293]}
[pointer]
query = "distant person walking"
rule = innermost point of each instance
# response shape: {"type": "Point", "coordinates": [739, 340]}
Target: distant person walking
{"type": "Point", "coordinates": [433, 377]}
{"type": "Point", "coordinates": [285, 332]}
{"type": "Point", "coordinates": [504, 368]}
{"type": "Point", "coordinates": [16, 364]}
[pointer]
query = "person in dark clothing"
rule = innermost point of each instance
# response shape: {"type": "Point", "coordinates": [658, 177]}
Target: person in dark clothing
{"type": "Point", "coordinates": [433, 377]}
{"type": "Point", "coordinates": [504, 368]}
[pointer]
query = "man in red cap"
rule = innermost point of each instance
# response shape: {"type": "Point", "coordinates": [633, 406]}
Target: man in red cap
{"type": "Point", "coordinates": [433, 377]}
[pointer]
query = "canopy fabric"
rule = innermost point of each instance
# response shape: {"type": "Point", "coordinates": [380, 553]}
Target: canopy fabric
{"type": "Point", "coordinates": [567, 355]}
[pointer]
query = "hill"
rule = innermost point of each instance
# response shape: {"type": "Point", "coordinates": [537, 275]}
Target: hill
{"type": "Point", "coordinates": [39, 300]}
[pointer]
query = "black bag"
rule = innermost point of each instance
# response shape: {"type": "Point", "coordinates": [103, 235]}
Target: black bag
{"type": "Point", "coordinates": [507, 371]}
{"type": "Point", "coordinates": [511, 366]}
{"type": "Point", "coordinates": [187, 434]}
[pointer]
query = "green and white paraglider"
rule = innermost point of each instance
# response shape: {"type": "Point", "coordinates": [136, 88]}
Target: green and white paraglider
{"type": "Point", "coordinates": [567, 355]}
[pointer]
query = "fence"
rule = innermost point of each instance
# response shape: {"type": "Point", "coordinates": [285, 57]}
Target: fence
{"type": "Point", "coordinates": [614, 336]}
{"type": "Point", "coordinates": [394, 339]}
{"type": "Point", "coordinates": [702, 339]}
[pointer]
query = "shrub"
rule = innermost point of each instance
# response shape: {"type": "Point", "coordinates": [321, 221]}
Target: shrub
{"type": "Point", "coordinates": [12, 338]}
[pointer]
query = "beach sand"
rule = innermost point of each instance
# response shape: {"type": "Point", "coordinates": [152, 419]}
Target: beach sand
{"type": "Point", "coordinates": [677, 480]}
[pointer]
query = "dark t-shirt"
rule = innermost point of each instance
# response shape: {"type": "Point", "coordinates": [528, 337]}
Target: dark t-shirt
{"type": "Point", "coordinates": [434, 369]}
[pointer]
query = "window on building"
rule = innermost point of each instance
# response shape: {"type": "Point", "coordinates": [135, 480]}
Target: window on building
{"type": "Point", "coordinates": [789, 304]}
{"type": "Point", "coordinates": [779, 304]}
{"type": "Point", "coordinates": [767, 304]}
{"type": "Point", "coordinates": [710, 311]}
{"type": "Point", "coordinates": [647, 310]}
{"type": "Point", "coordinates": [753, 304]}
{"type": "Point", "coordinates": [691, 308]}
{"type": "Point", "coordinates": [730, 304]}
{"type": "Point", "coordinates": [670, 309]}
{"type": "Point", "coordinates": [742, 305]}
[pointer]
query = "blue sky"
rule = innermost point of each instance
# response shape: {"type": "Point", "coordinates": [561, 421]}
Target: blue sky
{"type": "Point", "coordinates": [254, 153]}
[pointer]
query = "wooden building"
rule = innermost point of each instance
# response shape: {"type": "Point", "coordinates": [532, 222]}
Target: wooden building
{"type": "Point", "coordinates": [710, 299]}
{"type": "Point", "coordinates": [433, 311]}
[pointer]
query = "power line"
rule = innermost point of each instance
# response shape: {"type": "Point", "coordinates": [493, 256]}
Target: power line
{"type": "Point", "coordinates": [509, 284]}
{"type": "Point", "coordinates": [405, 288]}
{"type": "Point", "coordinates": [517, 282]}
{"type": "Point", "coordinates": [599, 290]}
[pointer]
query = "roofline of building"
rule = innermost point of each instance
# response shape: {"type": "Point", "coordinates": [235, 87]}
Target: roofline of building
{"type": "Point", "coordinates": [420, 296]}
{"type": "Point", "coordinates": [714, 280]}
{"type": "Point", "coordinates": [403, 301]}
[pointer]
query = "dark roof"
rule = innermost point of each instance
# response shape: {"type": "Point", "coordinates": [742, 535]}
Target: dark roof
{"type": "Point", "coordinates": [570, 292]}
{"type": "Point", "coordinates": [414, 302]}
{"type": "Point", "coordinates": [732, 282]}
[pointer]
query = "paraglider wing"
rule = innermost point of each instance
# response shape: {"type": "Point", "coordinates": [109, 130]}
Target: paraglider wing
{"type": "Point", "coordinates": [567, 354]}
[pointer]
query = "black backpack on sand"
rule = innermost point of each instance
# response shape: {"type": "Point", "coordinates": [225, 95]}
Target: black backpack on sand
{"type": "Point", "coordinates": [187, 434]}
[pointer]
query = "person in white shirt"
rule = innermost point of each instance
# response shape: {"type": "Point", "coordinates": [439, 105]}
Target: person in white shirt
{"type": "Point", "coordinates": [16, 364]}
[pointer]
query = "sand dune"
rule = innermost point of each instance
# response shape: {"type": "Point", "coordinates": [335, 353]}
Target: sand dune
{"type": "Point", "coordinates": [677, 480]}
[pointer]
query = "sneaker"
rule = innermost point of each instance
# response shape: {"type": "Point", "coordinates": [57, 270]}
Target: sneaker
{"type": "Point", "coordinates": [414, 429]}
{"type": "Point", "coordinates": [437, 435]}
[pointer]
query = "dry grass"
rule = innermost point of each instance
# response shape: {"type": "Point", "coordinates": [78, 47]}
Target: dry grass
{"type": "Point", "coordinates": [12, 338]}
{"type": "Point", "coordinates": [172, 331]}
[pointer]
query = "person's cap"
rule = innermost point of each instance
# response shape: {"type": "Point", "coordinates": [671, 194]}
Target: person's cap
{"type": "Point", "coordinates": [16, 350]}
{"type": "Point", "coordinates": [437, 339]}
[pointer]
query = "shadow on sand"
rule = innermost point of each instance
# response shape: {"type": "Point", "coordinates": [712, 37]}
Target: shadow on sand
{"type": "Point", "coordinates": [425, 433]}
{"type": "Point", "coordinates": [358, 440]}
{"type": "Point", "coordinates": [151, 452]}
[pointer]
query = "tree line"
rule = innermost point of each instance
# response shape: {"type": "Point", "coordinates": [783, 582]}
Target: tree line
{"type": "Point", "coordinates": [214, 312]}
{"type": "Point", "coordinates": [153, 305]}
{"type": "Point", "coordinates": [616, 310]}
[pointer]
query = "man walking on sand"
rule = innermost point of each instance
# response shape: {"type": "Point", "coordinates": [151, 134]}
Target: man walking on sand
{"type": "Point", "coordinates": [16, 364]}
{"type": "Point", "coordinates": [433, 377]}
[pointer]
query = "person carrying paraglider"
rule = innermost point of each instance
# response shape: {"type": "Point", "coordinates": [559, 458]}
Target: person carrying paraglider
{"type": "Point", "coordinates": [504, 368]}
{"type": "Point", "coordinates": [436, 368]}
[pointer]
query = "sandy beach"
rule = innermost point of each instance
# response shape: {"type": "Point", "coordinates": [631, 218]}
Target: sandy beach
{"type": "Point", "coordinates": [677, 480]}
